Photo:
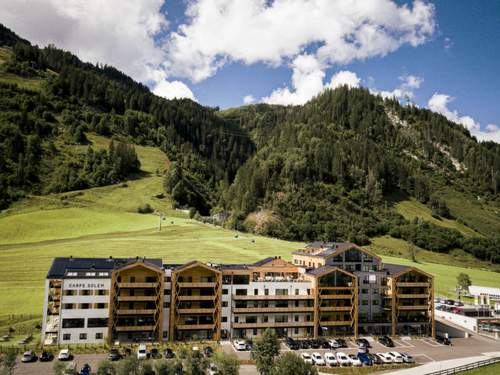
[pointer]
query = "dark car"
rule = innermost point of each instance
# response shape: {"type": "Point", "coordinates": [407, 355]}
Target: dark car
{"type": "Point", "coordinates": [365, 359]}
{"type": "Point", "coordinates": [155, 354]}
{"type": "Point", "coordinates": [375, 359]}
{"type": "Point", "coordinates": [362, 343]}
{"type": "Point", "coordinates": [386, 341]}
{"type": "Point", "coordinates": [46, 356]}
{"type": "Point", "coordinates": [324, 344]}
{"type": "Point", "coordinates": [443, 340]}
{"type": "Point", "coordinates": [29, 356]}
{"type": "Point", "coordinates": [208, 351]}
{"type": "Point", "coordinates": [249, 345]}
{"type": "Point", "coordinates": [169, 353]}
{"type": "Point", "coordinates": [291, 343]}
{"type": "Point", "coordinates": [114, 355]}
{"type": "Point", "coordinates": [304, 344]}
{"type": "Point", "coordinates": [86, 370]}
{"type": "Point", "coordinates": [315, 344]}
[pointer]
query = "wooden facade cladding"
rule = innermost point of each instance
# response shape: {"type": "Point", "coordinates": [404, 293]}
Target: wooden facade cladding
{"type": "Point", "coordinates": [196, 300]}
{"type": "Point", "coordinates": [147, 281]}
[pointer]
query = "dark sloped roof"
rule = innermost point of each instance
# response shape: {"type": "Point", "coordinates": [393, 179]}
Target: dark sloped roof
{"type": "Point", "coordinates": [61, 265]}
{"type": "Point", "coordinates": [394, 269]}
{"type": "Point", "coordinates": [263, 261]}
{"type": "Point", "coordinates": [320, 270]}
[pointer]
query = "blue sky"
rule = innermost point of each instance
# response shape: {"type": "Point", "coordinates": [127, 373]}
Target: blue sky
{"type": "Point", "coordinates": [441, 54]}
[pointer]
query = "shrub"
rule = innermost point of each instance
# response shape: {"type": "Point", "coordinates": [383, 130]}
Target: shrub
{"type": "Point", "coordinates": [145, 209]}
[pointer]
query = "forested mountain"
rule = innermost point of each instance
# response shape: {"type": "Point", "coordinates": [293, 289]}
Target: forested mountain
{"type": "Point", "coordinates": [326, 170]}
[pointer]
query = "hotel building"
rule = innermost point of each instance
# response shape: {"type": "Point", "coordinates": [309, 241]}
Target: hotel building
{"type": "Point", "coordinates": [329, 289]}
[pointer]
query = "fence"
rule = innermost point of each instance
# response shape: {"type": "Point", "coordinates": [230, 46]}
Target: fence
{"type": "Point", "coordinates": [470, 366]}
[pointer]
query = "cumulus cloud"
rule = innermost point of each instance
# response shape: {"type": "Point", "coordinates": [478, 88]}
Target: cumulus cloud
{"type": "Point", "coordinates": [439, 103]}
{"type": "Point", "coordinates": [173, 89]}
{"type": "Point", "coordinates": [115, 32]}
{"type": "Point", "coordinates": [344, 77]}
{"type": "Point", "coordinates": [406, 90]}
{"type": "Point", "coordinates": [248, 99]}
{"type": "Point", "coordinates": [250, 31]}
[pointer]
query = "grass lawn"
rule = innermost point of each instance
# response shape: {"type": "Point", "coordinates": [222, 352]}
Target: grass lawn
{"type": "Point", "coordinates": [486, 370]}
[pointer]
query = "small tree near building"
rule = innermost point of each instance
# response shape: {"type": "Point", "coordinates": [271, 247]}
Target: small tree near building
{"type": "Point", "coordinates": [265, 350]}
{"type": "Point", "coordinates": [227, 364]}
{"type": "Point", "coordinates": [463, 283]}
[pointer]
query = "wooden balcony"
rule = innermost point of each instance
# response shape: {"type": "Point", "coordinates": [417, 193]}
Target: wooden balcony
{"type": "Point", "coordinates": [135, 311]}
{"type": "Point", "coordinates": [194, 326]}
{"type": "Point", "coordinates": [413, 284]}
{"type": "Point", "coordinates": [273, 324]}
{"type": "Point", "coordinates": [251, 310]}
{"type": "Point", "coordinates": [134, 328]}
{"type": "Point", "coordinates": [335, 296]}
{"type": "Point", "coordinates": [138, 285]}
{"type": "Point", "coordinates": [336, 323]}
{"type": "Point", "coordinates": [197, 285]}
{"type": "Point", "coordinates": [414, 307]}
{"type": "Point", "coordinates": [336, 288]}
{"type": "Point", "coordinates": [425, 295]}
{"type": "Point", "coordinates": [271, 298]}
{"type": "Point", "coordinates": [196, 311]}
{"type": "Point", "coordinates": [196, 298]}
{"type": "Point", "coordinates": [136, 298]}
{"type": "Point", "coordinates": [335, 308]}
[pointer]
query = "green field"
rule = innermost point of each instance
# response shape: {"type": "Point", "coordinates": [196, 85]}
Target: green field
{"type": "Point", "coordinates": [487, 370]}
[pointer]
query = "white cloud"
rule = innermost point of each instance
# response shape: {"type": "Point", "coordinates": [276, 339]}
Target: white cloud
{"type": "Point", "coordinates": [248, 99]}
{"type": "Point", "coordinates": [406, 90]}
{"type": "Point", "coordinates": [492, 128]}
{"type": "Point", "coordinates": [439, 103]}
{"type": "Point", "coordinates": [173, 89]}
{"type": "Point", "coordinates": [115, 32]}
{"type": "Point", "coordinates": [344, 77]}
{"type": "Point", "coordinates": [250, 31]}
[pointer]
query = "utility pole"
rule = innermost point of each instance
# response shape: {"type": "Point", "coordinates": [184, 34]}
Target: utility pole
{"type": "Point", "coordinates": [159, 223]}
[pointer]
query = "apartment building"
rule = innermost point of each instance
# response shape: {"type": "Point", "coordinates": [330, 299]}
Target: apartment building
{"type": "Point", "coordinates": [328, 289]}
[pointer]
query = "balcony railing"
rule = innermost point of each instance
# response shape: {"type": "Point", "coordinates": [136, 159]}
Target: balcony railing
{"type": "Point", "coordinates": [250, 310]}
{"type": "Point", "coordinates": [194, 326]}
{"type": "Point", "coordinates": [197, 311]}
{"type": "Point", "coordinates": [138, 285]}
{"type": "Point", "coordinates": [273, 324]}
{"type": "Point", "coordinates": [336, 323]}
{"type": "Point", "coordinates": [197, 285]}
{"type": "Point", "coordinates": [195, 298]}
{"type": "Point", "coordinates": [134, 328]}
{"type": "Point", "coordinates": [413, 284]}
{"type": "Point", "coordinates": [422, 295]}
{"type": "Point", "coordinates": [135, 311]}
{"type": "Point", "coordinates": [413, 307]}
{"type": "Point", "coordinates": [336, 308]}
{"type": "Point", "coordinates": [137, 298]}
{"type": "Point", "coordinates": [273, 297]}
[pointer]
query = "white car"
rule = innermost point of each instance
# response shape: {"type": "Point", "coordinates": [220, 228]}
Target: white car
{"type": "Point", "coordinates": [64, 355]}
{"type": "Point", "coordinates": [306, 357]}
{"type": "Point", "coordinates": [385, 358]}
{"type": "Point", "coordinates": [334, 344]}
{"type": "Point", "coordinates": [343, 359]}
{"type": "Point", "coordinates": [396, 357]}
{"type": "Point", "coordinates": [355, 360]}
{"type": "Point", "coordinates": [330, 359]}
{"type": "Point", "coordinates": [142, 352]}
{"type": "Point", "coordinates": [318, 359]}
{"type": "Point", "coordinates": [239, 345]}
{"type": "Point", "coordinates": [407, 358]}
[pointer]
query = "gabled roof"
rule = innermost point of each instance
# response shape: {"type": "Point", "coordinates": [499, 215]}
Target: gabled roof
{"type": "Point", "coordinates": [194, 263]}
{"type": "Point", "coordinates": [329, 249]}
{"type": "Point", "coordinates": [395, 270]}
{"type": "Point", "coordinates": [323, 270]}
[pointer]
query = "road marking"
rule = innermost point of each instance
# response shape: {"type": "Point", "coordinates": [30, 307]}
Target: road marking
{"type": "Point", "coordinates": [401, 344]}
{"type": "Point", "coordinates": [431, 343]}
{"type": "Point", "coordinates": [424, 355]}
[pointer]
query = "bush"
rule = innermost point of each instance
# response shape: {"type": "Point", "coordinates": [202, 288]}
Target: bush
{"type": "Point", "coordinates": [145, 209]}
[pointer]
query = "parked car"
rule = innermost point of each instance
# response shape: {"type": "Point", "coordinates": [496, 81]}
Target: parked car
{"type": "Point", "coordinates": [208, 351]}
{"type": "Point", "coordinates": [365, 359]}
{"type": "Point", "coordinates": [169, 353]}
{"type": "Point", "coordinates": [304, 344]}
{"type": "Point", "coordinates": [114, 355]}
{"type": "Point", "coordinates": [362, 343]}
{"type": "Point", "coordinates": [318, 359]}
{"type": "Point", "coordinates": [330, 359]}
{"type": "Point", "coordinates": [29, 356]}
{"type": "Point", "coordinates": [458, 303]}
{"type": "Point", "coordinates": [291, 343]}
{"type": "Point", "coordinates": [385, 358]}
{"type": "Point", "coordinates": [142, 352]}
{"type": "Point", "coordinates": [386, 341]}
{"type": "Point", "coordinates": [315, 344]}
{"type": "Point", "coordinates": [375, 359]}
{"type": "Point", "coordinates": [407, 358]}
{"type": "Point", "coordinates": [324, 344]}
{"type": "Point", "coordinates": [355, 361]}
{"type": "Point", "coordinates": [86, 370]}
{"type": "Point", "coordinates": [306, 357]}
{"type": "Point", "coordinates": [443, 340]}
{"type": "Point", "coordinates": [155, 353]}
{"type": "Point", "coordinates": [64, 355]}
{"type": "Point", "coordinates": [249, 345]}
{"type": "Point", "coordinates": [343, 359]}
{"type": "Point", "coordinates": [46, 356]}
{"type": "Point", "coordinates": [337, 343]}
{"type": "Point", "coordinates": [239, 344]}
{"type": "Point", "coordinates": [396, 357]}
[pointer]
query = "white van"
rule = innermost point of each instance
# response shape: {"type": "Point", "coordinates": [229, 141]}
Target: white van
{"type": "Point", "coordinates": [142, 352]}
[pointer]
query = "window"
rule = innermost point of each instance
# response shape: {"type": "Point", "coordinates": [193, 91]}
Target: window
{"type": "Point", "coordinates": [72, 274]}
{"type": "Point", "coordinates": [103, 273]}
{"type": "Point", "coordinates": [256, 292]}
{"type": "Point", "coordinates": [70, 292]}
{"type": "Point", "coordinates": [98, 336]}
{"type": "Point", "coordinates": [255, 331]}
{"type": "Point", "coordinates": [266, 292]}
{"type": "Point", "coordinates": [364, 302]}
{"type": "Point", "coordinates": [68, 306]}
{"type": "Point", "coordinates": [364, 291]}
{"type": "Point", "coordinates": [168, 279]}
{"type": "Point", "coordinates": [281, 292]}
{"type": "Point", "coordinates": [85, 306]}
{"type": "Point", "coordinates": [132, 279]}
{"type": "Point", "coordinates": [366, 267]}
{"type": "Point", "coordinates": [265, 319]}
{"type": "Point", "coordinates": [83, 336]}
{"type": "Point", "coordinates": [375, 291]}
{"type": "Point", "coordinates": [89, 273]}
{"type": "Point", "coordinates": [151, 279]}
{"type": "Point", "coordinates": [166, 305]}
{"type": "Point", "coordinates": [296, 318]}
{"type": "Point", "coordinates": [241, 292]}
{"type": "Point", "coordinates": [101, 306]}
{"type": "Point", "coordinates": [308, 292]}
{"type": "Point", "coordinates": [67, 336]}
{"type": "Point", "coordinates": [236, 319]}
{"type": "Point", "coordinates": [102, 292]}
{"type": "Point", "coordinates": [224, 304]}
{"type": "Point", "coordinates": [375, 302]}
{"type": "Point", "coordinates": [167, 292]}
{"type": "Point", "coordinates": [225, 291]}
{"type": "Point", "coordinates": [85, 292]}
{"type": "Point", "coordinates": [224, 319]}
{"type": "Point", "coordinates": [73, 323]}
{"type": "Point", "coordinates": [241, 279]}
{"type": "Point", "coordinates": [296, 330]}
{"type": "Point", "coordinates": [250, 319]}
{"type": "Point", "coordinates": [97, 322]}
{"type": "Point", "coordinates": [296, 292]}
